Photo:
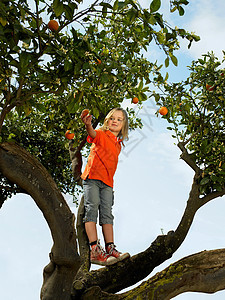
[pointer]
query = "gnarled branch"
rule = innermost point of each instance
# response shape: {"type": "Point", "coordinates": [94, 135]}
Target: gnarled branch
{"type": "Point", "coordinates": [28, 173]}
{"type": "Point", "coordinates": [201, 272]}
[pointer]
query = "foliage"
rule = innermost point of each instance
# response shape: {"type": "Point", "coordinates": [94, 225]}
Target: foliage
{"type": "Point", "coordinates": [197, 116]}
{"type": "Point", "coordinates": [48, 77]}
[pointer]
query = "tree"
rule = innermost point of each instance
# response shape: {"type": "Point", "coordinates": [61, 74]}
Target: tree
{"type": "Point", "coordinates": [48, 77]}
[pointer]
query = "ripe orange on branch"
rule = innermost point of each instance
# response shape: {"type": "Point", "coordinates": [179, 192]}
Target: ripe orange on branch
{"type": "Point", "coordinates": [53, 25]}
{"type": "Point", "coordinates": [135, 100]}
{"type": "Point", "coordinates": [163, 110]}
{"type": "Point", "coordinates": [69, 135]}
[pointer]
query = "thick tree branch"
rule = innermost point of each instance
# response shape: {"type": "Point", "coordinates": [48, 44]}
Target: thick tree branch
{"type": "Point", "coordinates": [201, 272]}
{"type": "Point", "coordinates": [82, 237]}
{"type": "Point", "coordinates": [193, 204]}
{"type": "Point", "coordinates": [84, 250]}
{"type": "Point", "coordinates": [27, 172]}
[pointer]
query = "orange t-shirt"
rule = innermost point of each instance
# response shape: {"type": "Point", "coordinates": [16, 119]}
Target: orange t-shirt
{"type": "Point", "coordinates": [103, 157]}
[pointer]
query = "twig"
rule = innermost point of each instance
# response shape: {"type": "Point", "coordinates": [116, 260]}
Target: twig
{"type": "Point", "coordinates": [186, 157]}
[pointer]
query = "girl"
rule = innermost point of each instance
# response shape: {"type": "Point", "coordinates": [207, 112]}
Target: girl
{"type": "Point", "coordinates": [98, 183]}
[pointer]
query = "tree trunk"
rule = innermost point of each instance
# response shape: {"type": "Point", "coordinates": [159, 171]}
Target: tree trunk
{"type": "Point", "coordinates": [21, 168]}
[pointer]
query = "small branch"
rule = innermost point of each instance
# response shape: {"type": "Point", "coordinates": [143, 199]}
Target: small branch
{"type": "Point", "coordinates": [4, 112]}
{"type": "Point", "coordinates": [19, 91]}
{"type": "Point", "coordinates": [38, 25]}
{"type": "Point", "coordinates": [212, 196]}
{"type": "Point", "coordinates": [83, 242]}
{"type": "Point", "coordinates": [186, 157]}
{"type": "Point", "coordinates": [191, 137]}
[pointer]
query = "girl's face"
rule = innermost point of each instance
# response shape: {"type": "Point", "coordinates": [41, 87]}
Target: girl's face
{"type": "Point", "coordinates": [115, 122]}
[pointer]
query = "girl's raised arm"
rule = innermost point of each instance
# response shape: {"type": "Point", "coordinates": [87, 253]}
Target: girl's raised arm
{"type": "Point", "coordinates": [87, 121]}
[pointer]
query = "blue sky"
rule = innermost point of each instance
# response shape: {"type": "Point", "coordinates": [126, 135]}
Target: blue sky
{"type": "Point", "coordinates": [151, 184]}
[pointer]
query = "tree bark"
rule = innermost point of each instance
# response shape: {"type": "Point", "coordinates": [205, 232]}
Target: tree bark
{"type": "Point", "coordinates": [202, 272]}
{"type": "Point", "coordinates": [29, 174]}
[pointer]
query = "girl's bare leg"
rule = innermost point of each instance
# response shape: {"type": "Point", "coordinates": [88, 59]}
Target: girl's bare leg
{"type": "Point", "coordinates": [91, 231]}
{"type": "Point", "coordinates": [107, 230]}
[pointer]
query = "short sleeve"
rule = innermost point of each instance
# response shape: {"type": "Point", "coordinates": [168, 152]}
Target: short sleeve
{"type": "Point", "coordinates": [96, 139]}
{"type": "Point", "coordinates": [89, 139]}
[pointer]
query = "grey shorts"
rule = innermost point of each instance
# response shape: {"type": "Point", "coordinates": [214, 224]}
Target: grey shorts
{"type": "Point", "coordinates": [98, 197]}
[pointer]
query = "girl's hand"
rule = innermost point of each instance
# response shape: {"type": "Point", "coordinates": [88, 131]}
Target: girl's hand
{"type": "Point", "coordinates": [86, 119]}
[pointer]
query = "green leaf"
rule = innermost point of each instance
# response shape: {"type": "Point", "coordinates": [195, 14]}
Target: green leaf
{"type": "Point", "coordinates": [181, 10]}
{"type": "Point", "coordinates": [74, 103]}
{"type": "Point", "coordinates": [132, 14]}
{"type": "Point", "coordinates": [68, 65]}
{"type": "Point", "coordinates": [167, 76]}
{"type": "Point", "coordinates": [73, 106]}
{"type": "Point", "coordinates": [68, 12]}
{"type": "Point", "coordinates": [95, 112]}
{"type": "Point", "coordinates": [157, 97]}
{"type": "Point", "coordinates": [140, 86]}
{"type": "Point", "coordinates": [214, 178]}
{"type": "Point", "coordinates": [167, 62]}
{"type": "Point", "coordinates": [106, 5]}
{"type": "Point", "coordinates": [104, 11]}
{"type": "Point", "coordinates": [185, 2]}
{"type": "Point", "coordinates": [105, 78]}
{"type": "Point", "coordinates": [40, 107]}
{"type": "Point", "coordinates": [57, 7]}
{"type": "Point", "coordinates": [204, 181]}
{"type": "Point", "coordinates": [174, 60]}
{"type": "Point", "coordinates": [155, 5]}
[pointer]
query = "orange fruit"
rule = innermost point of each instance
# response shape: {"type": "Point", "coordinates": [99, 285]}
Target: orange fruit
{"type": "Point", "coordinates": [53, 25]}
{"type": "Point", "coordinates": [209, 87]}
{"type": "Point", "coordinates": [69, 135]}
{"type": "Point", "coordinates": [84, 113]}
{"type": "Point", "coordinates": [135, 100]}
{"type": "Point", "coordinates": [163, 110]}
{"type": "Point", "coordinates": [180, 105]}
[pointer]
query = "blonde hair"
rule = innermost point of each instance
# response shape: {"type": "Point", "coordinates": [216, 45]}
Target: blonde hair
{"type": "Point", "coordinates": [123, 134]}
